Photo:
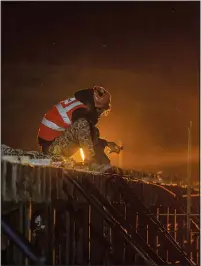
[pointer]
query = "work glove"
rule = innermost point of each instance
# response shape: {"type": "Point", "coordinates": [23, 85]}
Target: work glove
{"type": "Point", "coordinates": [114, 147]}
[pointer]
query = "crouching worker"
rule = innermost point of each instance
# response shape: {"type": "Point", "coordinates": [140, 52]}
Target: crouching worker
{"type": "Point", "coordinates": [71, 125]}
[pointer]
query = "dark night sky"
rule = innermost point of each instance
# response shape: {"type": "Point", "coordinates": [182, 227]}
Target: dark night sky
{"type": "Point", "coordinates": [145, 53]}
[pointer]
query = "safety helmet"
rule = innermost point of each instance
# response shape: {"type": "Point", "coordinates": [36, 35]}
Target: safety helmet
{"type": "Point", "coordinates": [102, 98]}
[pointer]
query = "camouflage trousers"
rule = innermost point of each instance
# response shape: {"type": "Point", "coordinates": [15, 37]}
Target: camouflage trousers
{"type": "Point", "coordinates": [79, 135]}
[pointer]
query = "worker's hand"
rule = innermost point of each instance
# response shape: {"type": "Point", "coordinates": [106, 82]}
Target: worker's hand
{"type": "Point", "coordinates": [114, 147]}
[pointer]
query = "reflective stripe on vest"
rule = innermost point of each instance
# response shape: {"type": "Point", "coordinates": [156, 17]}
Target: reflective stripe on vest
{"type": "Point", "coordinates": [63, 113]}
{"type": "Point", "coordinates": [63, 110]}
{"type": "Point", "coordinates": [51, 125]}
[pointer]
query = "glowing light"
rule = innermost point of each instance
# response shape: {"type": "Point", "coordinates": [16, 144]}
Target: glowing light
{"type": "Point", "coordinates": [82, 154]}
{"type": "Point", "coordinates": [192, 195]}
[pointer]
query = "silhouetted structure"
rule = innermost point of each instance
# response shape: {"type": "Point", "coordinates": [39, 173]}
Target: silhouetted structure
{"type": "Point", "coordinates": [74, 217]}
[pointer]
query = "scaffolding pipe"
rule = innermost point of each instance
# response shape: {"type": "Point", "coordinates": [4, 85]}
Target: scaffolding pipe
{"type": "Point", "coordinates": [120, 155]}
{"type": "Point", "coordinates": [21, 243]}
{"type": "Point", "coordinates": [189, 182]}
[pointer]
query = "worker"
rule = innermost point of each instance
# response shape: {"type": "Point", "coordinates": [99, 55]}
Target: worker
{"type": "Point", "coordinates": [71, 125]}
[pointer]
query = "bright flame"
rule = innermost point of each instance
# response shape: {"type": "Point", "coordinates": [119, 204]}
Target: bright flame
{"type": "Point", "coordinates": [82, 154]}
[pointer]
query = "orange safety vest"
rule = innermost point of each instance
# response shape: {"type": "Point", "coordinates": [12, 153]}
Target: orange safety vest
{"type": "Point", "coordinates": [58, 118]}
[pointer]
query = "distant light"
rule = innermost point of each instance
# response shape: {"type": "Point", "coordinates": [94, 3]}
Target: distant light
{"type": "Point", "coordinates": [159, 172]}
{"type": "Point", "coordinates": [82, 154]}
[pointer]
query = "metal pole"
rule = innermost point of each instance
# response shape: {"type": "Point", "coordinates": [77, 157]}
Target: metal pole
{"type": "Point", "coordinates": [157, 242]}
{"type": "Point", "coordinates": [175, 224]}
{"type": "Point", "coordinates": [120, 155]}
{"type": "Point", "coordinates": [22, 243]}
{"type": "Point", "coordinates": [189, 181]}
